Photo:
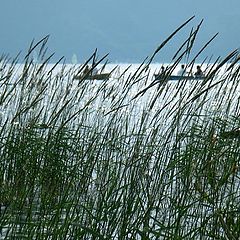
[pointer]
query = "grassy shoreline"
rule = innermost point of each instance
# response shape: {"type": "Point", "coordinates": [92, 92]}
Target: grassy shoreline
{"type": "Point", "coordinates": [121, 159]}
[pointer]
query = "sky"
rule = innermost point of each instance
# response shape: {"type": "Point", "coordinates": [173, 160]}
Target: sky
{"type": "Point", "coordinates": [127, 30]}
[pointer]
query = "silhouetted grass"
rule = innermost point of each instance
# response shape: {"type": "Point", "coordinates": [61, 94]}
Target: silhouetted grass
{"type": "Point", "coordinates": [127, 158]}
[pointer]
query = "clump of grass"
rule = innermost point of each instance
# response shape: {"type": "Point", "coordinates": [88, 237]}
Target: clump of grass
{"type": "Point", "coordinates": [120, 159]}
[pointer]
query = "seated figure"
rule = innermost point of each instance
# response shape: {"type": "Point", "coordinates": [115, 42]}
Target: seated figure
{"type": "Point", "coordinates": [199, 72]}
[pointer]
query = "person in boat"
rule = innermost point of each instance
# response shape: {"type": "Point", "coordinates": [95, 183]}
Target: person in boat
{"type": "Point", "coordinates": [160, 74]}
{"type": "Point", "coordinates": [86, 70]}
{"type": "Point", "coordinates": [162, 69]}
{"type": "Point", "coordinates": [199, 72]}
{"type": "Point", "coordinates": [181, 71]}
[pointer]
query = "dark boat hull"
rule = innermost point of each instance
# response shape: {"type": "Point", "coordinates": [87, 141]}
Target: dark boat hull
{"type": "Point", "coordinates": [176, 78]}
{"type": "Point", "coordinates": [100, 76]}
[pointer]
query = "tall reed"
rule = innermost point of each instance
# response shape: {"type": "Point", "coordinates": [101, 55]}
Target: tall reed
{"type": "Point", "coordinates": [127, 158]}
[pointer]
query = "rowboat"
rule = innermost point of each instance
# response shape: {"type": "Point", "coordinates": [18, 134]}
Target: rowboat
{"type": "Point", "coordinates": [176, 77]}
{"type": "Point", "coordinates": [98, 76]}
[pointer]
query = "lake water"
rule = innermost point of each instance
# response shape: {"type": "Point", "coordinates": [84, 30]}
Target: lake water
{"type": "Point", "coordinates": [99, 100]}
{"type": "Point", "coordinates": [62, 82]}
